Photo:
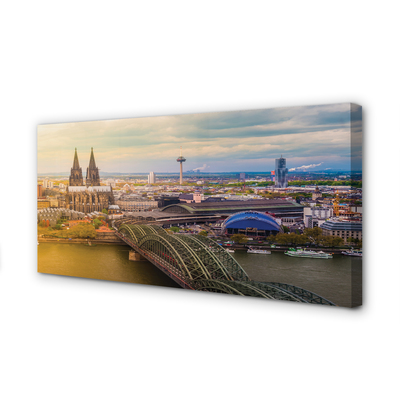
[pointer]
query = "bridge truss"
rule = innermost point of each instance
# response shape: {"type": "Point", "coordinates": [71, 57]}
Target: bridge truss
{"type": "Point", "coordinates": [199, 263]}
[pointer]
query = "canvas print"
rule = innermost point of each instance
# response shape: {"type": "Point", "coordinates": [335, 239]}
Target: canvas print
{"type": "Point", "coordinates": [262, 203]}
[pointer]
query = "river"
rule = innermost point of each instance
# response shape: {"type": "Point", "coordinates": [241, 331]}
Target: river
{"type": "Point", "coordinates": [330, 278]}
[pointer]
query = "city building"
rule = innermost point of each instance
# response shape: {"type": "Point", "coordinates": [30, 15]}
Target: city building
{"type": "Point", "coordinates": [278, 208]}
{"type": "Point", "coordinates": [152, 178]}
{"type": "Point", "coordinates": [47, 184]}
{"type": "Point", "coordinates": [251, 223]}
{"type": "Point", "coordinates": [281, 173]}
{"type": "Point", "coordinates": [43, 203]}
{"type": "Point", "coordinates": [90, 197]}
{"type": "Point", "coordinates": [344, 229]}
{"type": "Point", "coordinates": [289, 221]}
{"type": "Point", "coordinates": [54, 202]}
{"type": "Point", "coordinates": [318, 212]}
{"type": "Point", "coordinates": [316, 216]}
{"type": "Point", "coordinates": [167, 199]}
{"type": "Point", "coordinates": [135, 205]}
{"type": "Point", "coordinates": [54, 214]}
{"type": "Point", "coordinates": [39, 190]}
{"type": "Point", "coordinates": [316, 194]}
{"type": "Point", "coordinates": [195, 197]}
{"type": "Point", "coordinates": [114, 209]}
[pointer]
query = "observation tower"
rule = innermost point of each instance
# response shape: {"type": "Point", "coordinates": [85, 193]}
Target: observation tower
{"type": "Point", "coordinates": [181, 160]}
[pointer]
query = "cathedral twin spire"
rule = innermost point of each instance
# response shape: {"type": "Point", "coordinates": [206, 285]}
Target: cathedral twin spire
{"type": "Point", "coordinates": [92, 172]}
{"type": "Point", "coordinates": [76, 161]}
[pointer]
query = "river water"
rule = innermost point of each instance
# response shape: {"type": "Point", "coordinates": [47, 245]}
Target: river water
{"type": "Point", "coordinates": [330, 278]}
{"type": "Point", "coordinates": [107, 262]}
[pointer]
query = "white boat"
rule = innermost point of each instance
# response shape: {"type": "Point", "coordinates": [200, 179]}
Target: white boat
{"type": "Point", "coordinates": [230, 250]}
{"type": "Point", "coordinates": [307, 253]}
{"type": "Point", "coordinates": [255, 251]}
{"type": "Point", "coordinates": [354, 253]}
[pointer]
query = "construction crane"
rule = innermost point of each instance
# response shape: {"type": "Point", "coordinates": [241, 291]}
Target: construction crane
{"type": "Point", "coordinates": [336, 204]}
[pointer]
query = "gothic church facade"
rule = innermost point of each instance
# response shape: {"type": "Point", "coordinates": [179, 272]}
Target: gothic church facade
{"type": "Point", "coordinates": [90, 196]}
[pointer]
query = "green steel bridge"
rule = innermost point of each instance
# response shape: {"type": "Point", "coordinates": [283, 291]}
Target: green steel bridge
{"type": "Point", "coordinates": [198, 263]}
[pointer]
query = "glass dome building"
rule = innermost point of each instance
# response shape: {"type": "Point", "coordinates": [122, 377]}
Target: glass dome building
{"type": "Point", "coordinates": [251, 223]}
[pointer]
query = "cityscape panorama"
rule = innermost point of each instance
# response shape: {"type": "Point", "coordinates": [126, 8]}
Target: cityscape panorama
{"type": "Point", "coordinates": [263, 203]}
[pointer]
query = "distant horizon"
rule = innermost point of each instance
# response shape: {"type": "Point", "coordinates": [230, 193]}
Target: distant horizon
{"type": "Point", "coordinates": [210, 173]}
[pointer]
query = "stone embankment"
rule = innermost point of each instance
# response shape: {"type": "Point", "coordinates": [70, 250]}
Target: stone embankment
{"type": "Point", "coordinates": [102, 238]}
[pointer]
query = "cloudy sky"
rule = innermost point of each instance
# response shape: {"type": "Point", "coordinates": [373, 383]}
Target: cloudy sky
{"type": "Point", "coordinates": [313, 137]}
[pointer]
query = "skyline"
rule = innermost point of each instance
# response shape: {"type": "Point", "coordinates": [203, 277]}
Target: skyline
{"type": "Point", "coordinates": [311, 137]}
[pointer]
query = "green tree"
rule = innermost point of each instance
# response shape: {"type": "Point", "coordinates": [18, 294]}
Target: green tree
{"type": "Point", "coordinates": [300, 240]}
{"type": "Point", "coordinates": [174, 229]}
{"type": "Point", "coordinates": [355, 241]}
{"type": "Point", "coordinates": [239, 238]}
{"type": "Point", "coordinates": [291, 239]}
{"type": "Point", "coordinates": [83, 231]}
{"type": "Point", "coordinates": [97, 223]}
{"type": "Point", "coordinates": [281, 238]}
{"type": "Point", "coordinates": [285, 229]}
{"type": "Point", "coordinates": [58, 226]}
{"type": "Point", "coordinates": [203, 233]}
{"type": "Point", "coordinates": [337, 241]}
{"type": "Point", "coordinates": [104, 211]}
{"type": "Point", "coordinates": [313, 234]}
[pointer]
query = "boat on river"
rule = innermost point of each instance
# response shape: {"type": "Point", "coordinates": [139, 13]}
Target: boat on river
{"type": "Point", "coordinates": [351, 252]}
{"type": "Point", "coordinates": [303, 253]}
{"type": "Point", "coordinates": [251, 250]}
{"type": "Point", "coordinates": [230, 250]}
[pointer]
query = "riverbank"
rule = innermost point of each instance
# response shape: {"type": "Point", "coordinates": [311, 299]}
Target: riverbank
{"type": "Point", "coordinates": [77, 241]}
{"type": "Point", "coordinates": [282, 249]}
{"type": "Point", "coordinates": [101, 238]}
{"type": "Point", "coordinates": [113, 239]}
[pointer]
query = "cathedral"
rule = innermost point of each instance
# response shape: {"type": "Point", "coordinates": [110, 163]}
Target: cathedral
{"type": "Point", "coordinates": [90, 196]}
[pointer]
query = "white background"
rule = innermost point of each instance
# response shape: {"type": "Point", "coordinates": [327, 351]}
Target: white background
{"type": "Point", "coordinates": [70, 338]}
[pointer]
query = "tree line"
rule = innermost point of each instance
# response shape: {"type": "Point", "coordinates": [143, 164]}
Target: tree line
{"type": "Point", "coordinates": [311, 236]}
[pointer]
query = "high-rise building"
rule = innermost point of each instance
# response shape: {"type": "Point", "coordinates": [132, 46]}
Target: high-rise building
{"type": "Point", "coordinates": [242, 177]}
{"type": "Point", "coordinates": [47, 184]}
{"type": "Point", "coordinates": [39, 190]}
{"type": "Point", "coordinates": [281, 173]}
{"type": "Point", "coordinates": [151, 178]}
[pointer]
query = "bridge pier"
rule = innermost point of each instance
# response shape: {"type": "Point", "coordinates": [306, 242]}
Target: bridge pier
{"type": "Point", "coordinates": [135, 256]}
